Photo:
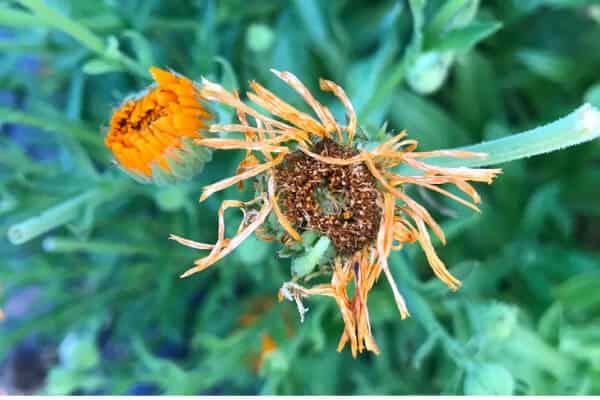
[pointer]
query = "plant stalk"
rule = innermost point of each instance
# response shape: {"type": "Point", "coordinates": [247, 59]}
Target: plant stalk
{"type": "Point", "coordinates": [580, 126]}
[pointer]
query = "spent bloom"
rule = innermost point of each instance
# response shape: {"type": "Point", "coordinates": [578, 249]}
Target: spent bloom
{"type": "Point", "coordinates": [150, 134]}
{"type": "Point", "coordinates": [316, 176]}
{"type": "Point", "coordinates": [327, 191]}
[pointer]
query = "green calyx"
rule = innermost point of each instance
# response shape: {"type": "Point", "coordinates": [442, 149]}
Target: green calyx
{"type": "Point", "coordinates": [184, 162]}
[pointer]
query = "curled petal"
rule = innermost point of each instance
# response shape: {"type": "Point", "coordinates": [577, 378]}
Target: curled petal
{"type": "Point", "coordinates": [283, 221]}
{"type": "Point", "coordinates": [215, 92]}
{"type": "Point", "coordinates": [384, 240]}
{"type": "Point", "coordinates": [225, 183]}
{"type": "Point", "coordinates": [434, 261]}
{"type": "Point", "coordinates": [418, 209]}
{"type": "Point", "coordinates": [267, 100]}
{"type": "Point", "coordinates": [330, 86]}
{"type": "Point", "coordinates": [333, 160]}
{"type": "Point", "coordinates": [225, 246]}
{"type": "Point", "coordinates": [230, 144]}
{"type": "Point", "coordinates": [322, 112]}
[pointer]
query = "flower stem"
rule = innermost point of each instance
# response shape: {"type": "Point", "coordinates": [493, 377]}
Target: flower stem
{"type": "Point", "coordinates": [68, 245]}
{"type": "Point", "coordinates": [383, 92]}
{"type": "Point", "coordinates": [49, 219]}
{"type": "Point", "coordinates": [582, 125]}
{"type": "Point", "coordinates": [67, 25]}
{"type": "Point", "coordinates": [58, 215]}
{"type": "Point", "coordinates": [83, 35]}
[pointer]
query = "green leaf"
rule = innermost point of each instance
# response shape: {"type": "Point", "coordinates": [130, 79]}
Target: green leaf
{"type": "Point", "coordinates": [452, 14]}
{"type": "Point", "coordinates": [304, 264]}
{"type": "Point", "coordinates": [229, 78]}
{"type": "Point", "coordinates": [171, 198]}
{"type": "Point", "coordinates": [142, 48]}
{"type": "Point", "coordinates": [64, 23]}
{"type": "Point", "coordinates": [58, 125]}
{"type": "Point", "coordinates": [550, 323]}
{"type": "Point", "coordinates": [489, 379]}
{"type": "Point", "coordinates": [79, 352]}
{"type": "Point", "coordinates": [417, 9]}
{"type": "Point", "coordinates": [311, 15]}
{"type": "Point", "coordinates": [579, 293]}
{"type": "Point", "coordinates": [19, 19]}
{"type": "Point", "coordinates": [426, 121]}
{"type": "Point", "coordinates": [396, 72]}
{"type": "Point", "coordinates": [582, 342]}
{"type": "Point", "coordinates": [98, 66]}
{"type": "Point", "coordinates": [549, 65]}
{"type": "Point", "coordinates": [463, 39]}
{"type": "Point", "coordinates": [592, 95]}
{"type": "Point", "coordinates": [61, 381]}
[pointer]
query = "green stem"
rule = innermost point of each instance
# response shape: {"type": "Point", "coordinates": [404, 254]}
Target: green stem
{"type": "Point", "coordinates": [383, 91]}
{"type": "Point", "coordinates": [526, 345]}
{"type": "Point", "coordinates": [65, 24]}
{"type": "Point", "coordinates": [68, 245]}
{"type": "Point", "coordinates": [60, 214]}
{"type": "Point", "coordinates": [54, 122]}
{"type": "Point", "coordinates": [396, 75]}
{"type": "Point", "coordinates": [81, 34]}
{"type": "Point", "coordinates": [582, 125]}
{"type": "Point", "coordinates": [423, 313]}
{"type": "Point", "coordinates": [49, 219]}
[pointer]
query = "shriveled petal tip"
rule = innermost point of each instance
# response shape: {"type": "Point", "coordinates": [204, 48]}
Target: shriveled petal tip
{"type": "Point", "coordinates": [224, 245]}
{"type": "Point", "coordinates": [330, 86]}
{"type": "Point", "coordinates": [325, 116]}
{"type": "Point", "coordinates": [187, 273]}
{"type": "Point", "coordinates": [225, 183]}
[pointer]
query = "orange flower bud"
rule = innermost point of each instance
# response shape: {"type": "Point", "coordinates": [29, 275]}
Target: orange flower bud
{"type": "Point", "coordinates": [151, 135]}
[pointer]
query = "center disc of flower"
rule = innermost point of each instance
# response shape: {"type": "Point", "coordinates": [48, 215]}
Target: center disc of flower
{"type": "Point", "coordinates": [340, 201]}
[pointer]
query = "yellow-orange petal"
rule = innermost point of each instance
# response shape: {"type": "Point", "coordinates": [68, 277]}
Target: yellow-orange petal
{"type": "Point", "coordinates": [144, 130]}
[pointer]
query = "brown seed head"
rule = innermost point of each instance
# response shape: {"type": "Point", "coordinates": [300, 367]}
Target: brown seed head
{"type": "Point", "coordinates": [340, 201]}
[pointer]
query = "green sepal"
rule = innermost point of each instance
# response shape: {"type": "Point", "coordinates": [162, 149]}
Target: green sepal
{"type": "Point", "coordinates": [315, 255]}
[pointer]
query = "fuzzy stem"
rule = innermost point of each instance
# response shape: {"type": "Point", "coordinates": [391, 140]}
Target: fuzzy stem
{"type": "Point", "coordinates": [49, 219]}
{"type": "Point", "coordinates": [58, 215]}
{"type": "Point", "coordinates": [68, 245]}
{"type": "Point", "coordinates": [582, 125]}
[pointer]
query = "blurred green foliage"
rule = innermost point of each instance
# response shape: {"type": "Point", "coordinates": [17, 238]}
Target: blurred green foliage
{"type": "Point", "coordinates": [99, 281]}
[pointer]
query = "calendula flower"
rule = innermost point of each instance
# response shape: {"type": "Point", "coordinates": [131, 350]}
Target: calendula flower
{"type": "Point", "coordinates": [318, 175]}
{"type": "Point", "coordinates": [151, 134]}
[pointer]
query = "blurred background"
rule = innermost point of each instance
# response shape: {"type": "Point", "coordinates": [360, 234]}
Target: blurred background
{"type": "Point", "coordinates": [91, 299]}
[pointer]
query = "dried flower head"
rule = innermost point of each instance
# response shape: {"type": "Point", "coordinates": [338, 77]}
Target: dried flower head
{"type": "Point", "coordinates": [316, 175]}
{"type": "Point", "coordinates": [340, 201]}
{"type": "Point", "coordinates": [150, 135]}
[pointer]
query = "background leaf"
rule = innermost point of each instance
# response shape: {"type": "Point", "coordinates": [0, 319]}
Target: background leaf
{"type": "Point", "coordinates": [95, 304]}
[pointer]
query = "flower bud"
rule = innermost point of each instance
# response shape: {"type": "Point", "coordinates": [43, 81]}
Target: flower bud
{"type": "Point", "coordinates": [429, 71]}
{"type": "Point", "coordinates": [151, 135]}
